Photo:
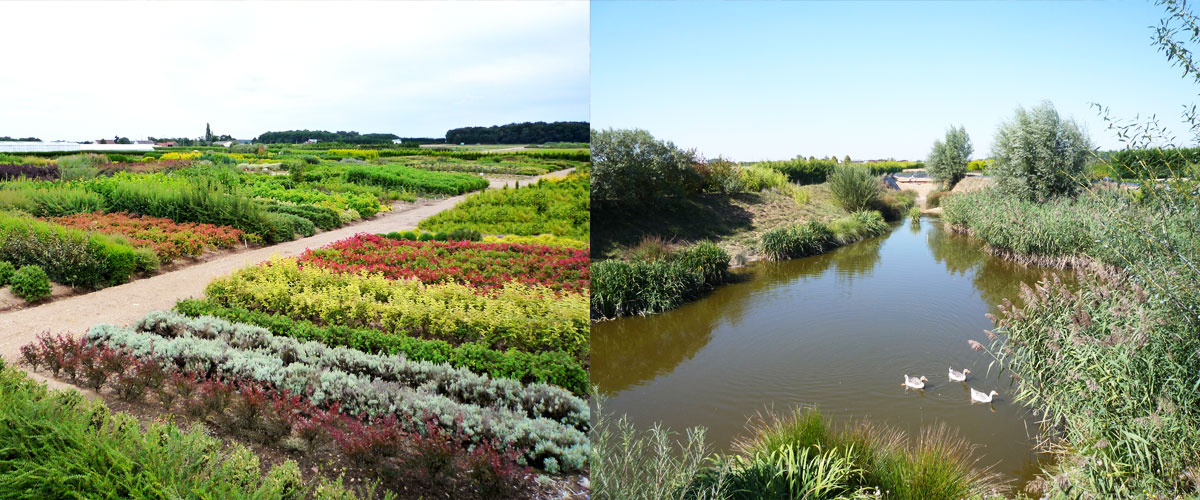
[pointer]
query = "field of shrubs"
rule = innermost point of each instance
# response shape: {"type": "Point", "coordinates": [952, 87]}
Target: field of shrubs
{"type": "Point", "coordinates": [95, 220]}
{"type": "Point", "coordinates": [441, 363]}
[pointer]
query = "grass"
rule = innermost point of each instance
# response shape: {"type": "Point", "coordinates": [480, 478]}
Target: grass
{"type": "Point", "coordinates": [735, 222]}
{"type": "Point", "coordinates": [799, 455]}
{"type": "Point", "coordinates": [814, 237]}
{"type": "Point", "coordinates": [59, 445]}
{"type": "Point", "coordinates": [1113, 363]}
{"type": "Point", "coordinates": [658, 279]}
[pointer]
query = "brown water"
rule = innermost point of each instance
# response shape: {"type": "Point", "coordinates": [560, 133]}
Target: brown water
{"type": "Point", "coordinates": [837, 331]}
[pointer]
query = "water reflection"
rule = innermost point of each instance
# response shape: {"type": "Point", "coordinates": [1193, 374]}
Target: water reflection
{"type": "Point", "coordinates": [836, 330]}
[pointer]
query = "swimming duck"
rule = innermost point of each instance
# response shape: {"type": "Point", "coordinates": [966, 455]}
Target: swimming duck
{"type": "Point", "coordinates": [979, 397]}
{"type": "Point", "coordinates": [959, 376]}
{"type": "Point", "coordinates": [914, 382]}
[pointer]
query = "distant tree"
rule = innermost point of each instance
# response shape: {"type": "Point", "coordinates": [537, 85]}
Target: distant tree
{"type": "Point", "coordinates": [208, 135]}
{"type": "Point", "coordinates": [521, 133]}
{"type": "Point", "coordinates": [846, 159]}
{"type": "Point", "coordinates": [947, 162]}
{"type": "Point", "coordinates": [1039, 155]}
{"type": "Point", "coordinates": [632, 168]}
{"type": "Point", "coordinates": [123, 140]}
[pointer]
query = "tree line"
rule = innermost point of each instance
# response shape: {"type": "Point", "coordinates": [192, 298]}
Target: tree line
{"type": "Point", "coordinates": [521, 133]}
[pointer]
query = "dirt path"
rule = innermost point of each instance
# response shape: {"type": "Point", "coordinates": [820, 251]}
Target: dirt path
{"type": "Point", "coordinates": [127, 303]}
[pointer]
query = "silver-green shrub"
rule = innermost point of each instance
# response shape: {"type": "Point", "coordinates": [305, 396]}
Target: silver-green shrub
{"type": "Point", "coordinates": [1039, 155]}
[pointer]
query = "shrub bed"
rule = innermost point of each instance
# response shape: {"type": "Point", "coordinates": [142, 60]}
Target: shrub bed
{"type": "Point", "coordinates": [552, 206]}
{"type": "Point", "coordinates": [169, 240]}
{"type": "Point", "coordinates": [70, 256]}
{"type": "Point", "coordinates": [534, 319]}
{"type": "Point", "coordinates": [424, 181]}
{"type": "Point", "coordinates": [486, 266]}
{"type": "Point", "coordinates": [20, 171]}
{"type": "Point", "coordinates": [555, 367]}
{"type": "Point", "coordinates": [547, 443]}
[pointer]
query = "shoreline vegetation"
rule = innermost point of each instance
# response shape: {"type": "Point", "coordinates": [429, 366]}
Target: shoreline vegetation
{"type": "Point", "coordinates": [670, 224]}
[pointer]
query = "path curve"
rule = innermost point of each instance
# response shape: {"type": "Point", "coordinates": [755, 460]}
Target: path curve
{"type": "Point", "coordinates": [125, 304]}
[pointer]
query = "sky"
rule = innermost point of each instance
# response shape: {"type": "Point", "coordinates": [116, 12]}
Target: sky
{"type": "Point", "coordinates": [873, 80]}
{"type": "Point", "coordinates": [136, 69]}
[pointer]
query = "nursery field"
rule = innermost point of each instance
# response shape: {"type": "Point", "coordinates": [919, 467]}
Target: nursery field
{"type": "Point", "coordinates": [559, 207]}
{"type": "Point", "coordinates": [412, 364]}
{"type": "Point", "coordinates": [95, 220]}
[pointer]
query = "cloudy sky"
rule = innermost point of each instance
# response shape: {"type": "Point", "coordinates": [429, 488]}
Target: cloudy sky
{"type": "Point", "coordinates": [95, 70]}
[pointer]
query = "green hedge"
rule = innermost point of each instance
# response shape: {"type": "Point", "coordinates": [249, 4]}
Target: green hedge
{"type": "Point", "coordinates": [815, 237]}
{"type": "Point", "coordinates": [70, 256]}
{"type": "Point", "coordinates": [556, 368]}
{"type": "Point", "coordinates": [424, 181]}
{"type": "Point", "coordinates": [322, 217]}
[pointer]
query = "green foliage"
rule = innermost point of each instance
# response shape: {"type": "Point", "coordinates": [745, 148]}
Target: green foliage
{"type": "Point", "coordinates": [854, 187]}
{"type": "Point", "coordinates": [552, 206]}
{"type": "Point", "coordinates": [631, 168]}
{"type": "Point", "coordinates": [6, 271]}
{"type": "Point", "coordinates": [1056, 228]}
{"type": "Point", "coordinates": [47, 199]}
{"type": "Point", "coordinates": [323, 217]}
{"type": "Point", "coordinates": [895, 204]}
{"type": "Point", "coordinates": [30, 283]}
{"type": "Point", "coordinates": [755, 178]}
{"type": "Point", "coordinates": [815, 237]}
{"type": "Point", "coordinates": [720, 176]}
{"type": "Point", "coordinates": [520, 133]}
{"type": "Point", "coordinates": [1154, 162]}
{"type": "Point", "coordinates": [60, 445]}
{"type": "Point", "coordinates": [534, 319]}
{"type": "Point", "coordinates": [632, 464]}
{"type": "Point", "coordinates": [541, 239]}
{"type": "Point", "coordinates": [978, 165]}
{"type": "Point", "coordinates": [422, 181]}
{"type": "Point", "coordinates": [947, 161]}
{"type": "Point", "coordinates": [553, 367]}
{"type": "Point", "coordinates": [1039, 155]}
{"type": "Point", "coordinates": [914, 213]}
{"type": "Point", "coordinates": [934, 198]}
{"type": "Point", "coordinates": [639, 287]}
{"type": "Point", "coordinates": [802, 171]}
{"type": "Point", "coordinates": [70, 256]}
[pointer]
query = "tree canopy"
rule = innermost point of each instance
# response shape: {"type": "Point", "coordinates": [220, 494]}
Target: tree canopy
{"type": "Point", "coordinates": [521, 133]}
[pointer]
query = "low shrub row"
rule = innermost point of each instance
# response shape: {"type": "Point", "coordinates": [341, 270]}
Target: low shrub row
{"type": "Point", "coordinates": [554, 367]}
{"type": "Point", "coordinates": [324, 218]}
{"type": "Point", "coordinates": [25, 171]}
{"type": "Point", "coordinates": [169, 240]}
{"type": "Point", "coordinates": [60, 445]}
{"type": "Point", "coordinates": [550, 444]}
{"type": "Point", "coordinates": [460, 385]}
{"type": "Point", "coordinates": [421, 181]}
{"type": "Point", "coordinates": [552, 206]}
{"type": "Point", "coordinates": [485, 266]}
{"type": "Point", "coordinates": [648, 286]}
{"type": "Point", "coordinates": [541, 239]}
{"type": "Point", "coordinates": [815, 237]}
{"type": "Point", "coordinates": [534, 319]}
{"type": "Point", "coordinates": [70, 256]}
{"type": "Point", "coordinates": [389, 453]}
{"type": "Point", "coordinates": [455, 235]}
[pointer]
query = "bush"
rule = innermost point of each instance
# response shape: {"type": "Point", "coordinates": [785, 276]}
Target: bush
{"type": "Point", "coordinates": [814, 237]}
{"type": "Point", "coordinates": [640, 287]}
{"type": "Point", "coordinates": [553, 367]}
{"type": "Point", "coordinates": [719, 176]}
{"type": "Point", "coordinates": [31, 283]}
{"type": "Point", "coordinates": [802, 171]}
{"type": "Point", "coordinates": [756, 178]}
{"type": "Point", "coordinates": [948, 160]}
{"type": "Point", "coordinates": [1038, 155]}
{"type": "Point", "coordinates": [421, 181]}
{"type": "Point", "coordinates": [934, 199]}
{"type": "Point", "coordinates": [631, 167]}
{"type": "Point", "coordinates": [552, 206]}
{"type": "Point", "coordinates": [6, 272]}
{"type": "Point", "coordinates": [71, 256]}
{"type": "Point", "coordinates": [854, 188]}
{"type": "Point", "coordinates": [323, 217]}
{"type": "Point", "coordinates": [895, 204]}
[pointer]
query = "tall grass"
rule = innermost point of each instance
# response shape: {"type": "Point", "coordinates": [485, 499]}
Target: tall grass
{"type": "Point", "coordinates": [854, 187]}
{"type": "Point", "coordinates": [658, 281]}
{"type": "Point", "coordinates": [815, 237]}
{"type": "Point", "coordinates": [798, 455]}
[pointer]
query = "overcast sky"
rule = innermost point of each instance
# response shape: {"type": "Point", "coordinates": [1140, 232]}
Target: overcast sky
{"type": "Point", "coordinates": [95, 70]}
{"type": "Point", "coordinates": [770, 80]}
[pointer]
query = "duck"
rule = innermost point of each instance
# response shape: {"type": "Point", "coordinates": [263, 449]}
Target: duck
{"type": "Point", "coordinates": [979, 397]}
{"type": "Point", "coordinates": [959, 376]}
{"type": "Point", "coordinates": [914, 382]}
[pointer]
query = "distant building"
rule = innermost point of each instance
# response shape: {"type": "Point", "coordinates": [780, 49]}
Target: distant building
{"type": "Point", "coordinates": [166, 143]}
{"type": "Point", "coordinates": [223, 143]}
{"type": "Point", "coordinates": [397, 141]}
{"type": "Point", "coordinates": [143, 142]}
{"type": "Point", "coordinates": [311, 141]}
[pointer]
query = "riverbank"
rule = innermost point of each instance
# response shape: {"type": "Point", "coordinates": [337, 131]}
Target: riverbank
{"type": "Point", "coordinates": [1112, 363]}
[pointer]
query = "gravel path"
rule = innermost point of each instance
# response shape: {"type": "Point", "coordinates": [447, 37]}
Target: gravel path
{"type": "Point", "coordinates": [125, 304]}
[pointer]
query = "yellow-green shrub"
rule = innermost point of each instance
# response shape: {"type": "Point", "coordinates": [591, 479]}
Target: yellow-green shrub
{"type": "Point", "coordinates": [528, 318]}
{"type": "Point", "coordinates": [541, 239]}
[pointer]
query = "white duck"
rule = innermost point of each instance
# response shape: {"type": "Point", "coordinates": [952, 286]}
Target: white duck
{"type": "Point", "coordinates": [979, 397]}
{"type": "Point", "coordinates": [959, 376]}
{"type": "Point", "coordinates": [914, 382]}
